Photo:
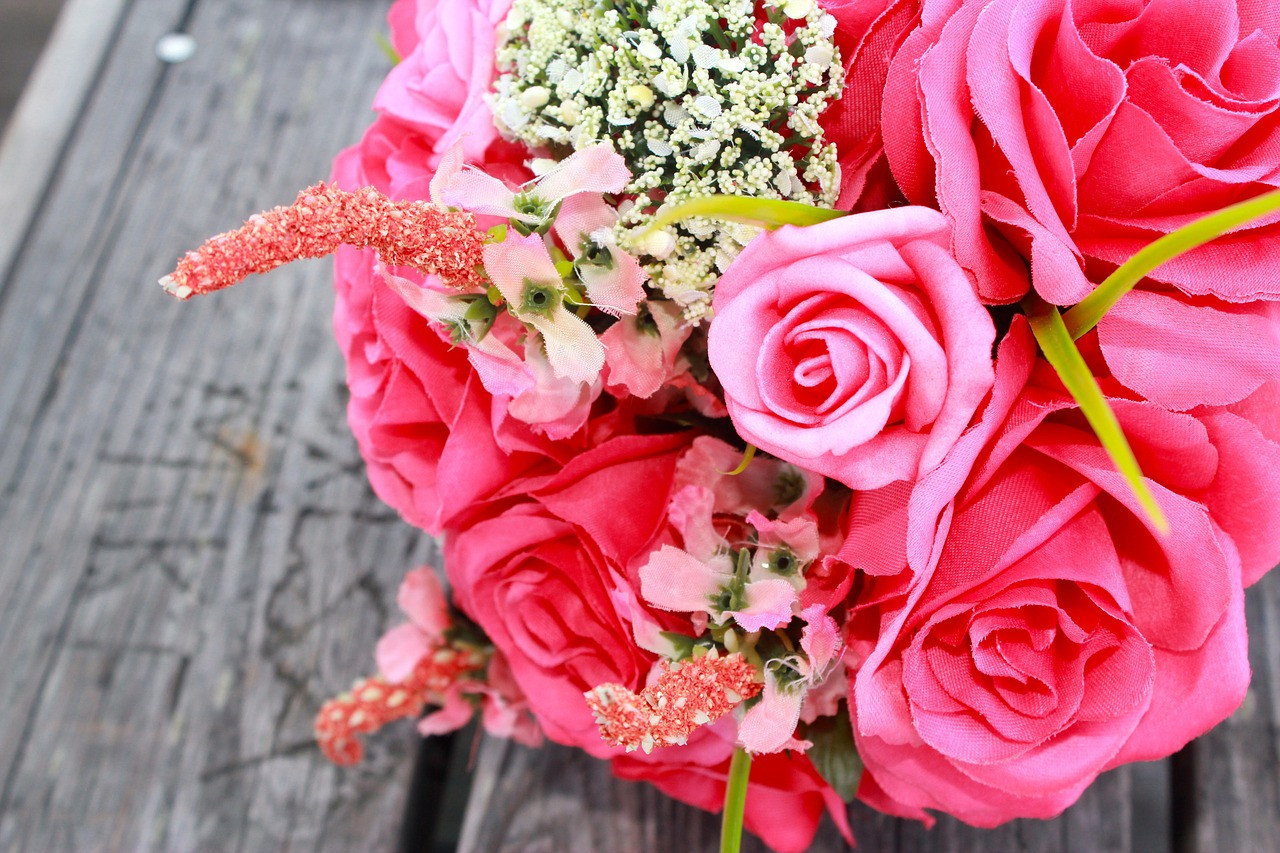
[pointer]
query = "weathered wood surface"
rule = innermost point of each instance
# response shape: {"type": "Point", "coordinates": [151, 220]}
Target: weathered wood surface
{"type": "Point", "coordinates": [191, 560]}
{"type": "Point", "coordinates": [39, 124]}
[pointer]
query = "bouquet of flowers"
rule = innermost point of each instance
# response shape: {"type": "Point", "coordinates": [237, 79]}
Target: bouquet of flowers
{"type": "Point", "coordinates": [817, 399]}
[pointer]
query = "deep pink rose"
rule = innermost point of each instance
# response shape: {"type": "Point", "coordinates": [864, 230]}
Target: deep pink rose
{"type": "Point", "coordinates": [438, 87]}
{"type": "Point", "coordinates": [544, 573]}
{"type": "Point", "coordinates": [785, 795]}
{"type": "Point", "coordinates": [855, 348]}
{"type": "Point", "coordinates": [1075, 133]}
{"type": "Point", "coordinates": [433, 439]}
{"type": "Point", "coordinates": [868, 33]}
{"type": "Point", "coordinates": [1042, 632]}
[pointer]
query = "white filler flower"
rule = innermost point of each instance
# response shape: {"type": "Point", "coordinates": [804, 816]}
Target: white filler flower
{"type": "Point", "coordinates": [699, 96]}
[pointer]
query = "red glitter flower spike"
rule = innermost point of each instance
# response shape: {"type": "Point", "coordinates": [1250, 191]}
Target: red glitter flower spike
{"type": "Point", "coordinates": [432, 239]}
{"type": "Point", "coordinates": [373, 702]}
{"type": "Point", "coordinates": [686, 695]}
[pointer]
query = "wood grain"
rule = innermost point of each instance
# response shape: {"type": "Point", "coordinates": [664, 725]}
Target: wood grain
{"type": "Point", "coordinates": [33, 135]}
{"type": "Point", "coordinates": [192, 559]}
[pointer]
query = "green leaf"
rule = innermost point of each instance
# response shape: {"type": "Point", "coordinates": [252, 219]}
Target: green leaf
{"type": "Point", "coordinates": [1084, 316]}
{"type": "Point", "coordinates": [388, 49]}
{"type": "Point", "coordinates": [1061, 352]}
{"type": "Point", "coordinates": [746, 460]}
{"type": "Point", "coordinates": [765, 212]}
{"type": "Point", "coordinates": [834, 755]}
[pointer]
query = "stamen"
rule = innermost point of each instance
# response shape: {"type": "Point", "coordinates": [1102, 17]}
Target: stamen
{"type": "Point", "coordinates": [373, 702]}
{"type": "Point", "coordinates": [418, 234]}
{"type": "Point", "coordinates": [685, 696]}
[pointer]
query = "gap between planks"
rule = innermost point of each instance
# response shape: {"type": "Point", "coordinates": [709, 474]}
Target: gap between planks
{"type": "Point", "coordinates": [47, 113]}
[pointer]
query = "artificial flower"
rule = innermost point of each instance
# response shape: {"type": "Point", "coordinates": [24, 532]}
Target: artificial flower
{"type": "Point", "coordinates": [856, 348]}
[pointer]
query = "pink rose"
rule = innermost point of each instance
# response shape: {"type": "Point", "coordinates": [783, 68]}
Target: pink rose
{"type": "Point", "coordinates": [544, 573]}
{"type": "Point", "coordinates": [855, 348]}
{"type": "Point", "coordinates": [1073, 134]}
{"type": "Point", "coordinates": [438, 88]}
{"type": "Point", "coordinates": [1045, 633]}
{"type": "Point", "coordinates": [785, 795]}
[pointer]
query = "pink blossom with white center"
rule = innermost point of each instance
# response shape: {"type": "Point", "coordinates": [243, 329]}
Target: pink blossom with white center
{"type": "Point", "coordinates": [554, 405]}
{"type": "Point", "coordinates": [613, 279]}
{"type": "Point", "coordinates": [421, 598]}
{"type": "Point", "coordinates": [676, 580]}
{"type": "Point", "coordinates": [784, 547]}
{"type": "Point", "coordinates": [642, 353]}
{"type": "Point", "coordinates": [770, 725]}
{"type": "Point", "coordinates": [400, 651]}
{"type": "Point", "coordinates": [557, 406]}
{"type": "Point", "coordinates": [505, 710]}
{"type": "Point", "coordinates": [766, 484]}
{"type": "Point", "coordinates": [522, 270]}
{"type": "Point", "coordinates": [596, 169]}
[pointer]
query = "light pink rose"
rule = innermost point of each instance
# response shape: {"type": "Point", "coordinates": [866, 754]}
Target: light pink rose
{"type": "Point", "coordinates": [1072, 134]}
{"type": "Point", "coordinates": [438, 87]}
{"type": "Point", "coordinates": [1039, 631]}
{"type": "Point", "coordinates": [855, 348]}
{"type": "Point", "coordinates": [540, 573]}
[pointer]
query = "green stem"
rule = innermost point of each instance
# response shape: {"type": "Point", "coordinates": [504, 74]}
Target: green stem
{"type": "Point", "coordinates": [735, 802]}
{"type": "Point", "coordinates": [1061, 352]}
{"type": "Point", "coordinates": [765, 212]}
{"type": "Point", "coordinates": [747, 456]}
{"type": "Point", "coordinates": [1084, 316]}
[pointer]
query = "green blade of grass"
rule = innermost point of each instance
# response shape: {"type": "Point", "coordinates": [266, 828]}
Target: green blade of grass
{"type": "Point", "coordinates": [387, 48]}
{"type": "Point", "coordinates": [1060, 350]}
{"type": "Point", "coordinates": [1084, 316]}
{"type": "Point", "coordinates": [765, 212]}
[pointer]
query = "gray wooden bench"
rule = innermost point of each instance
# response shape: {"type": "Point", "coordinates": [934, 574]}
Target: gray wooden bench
{"type": "Point", "coordinates": [190, 559]}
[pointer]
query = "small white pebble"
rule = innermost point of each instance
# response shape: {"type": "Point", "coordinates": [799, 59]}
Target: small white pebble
{"type": "Point", "coordinates": [175, 47]}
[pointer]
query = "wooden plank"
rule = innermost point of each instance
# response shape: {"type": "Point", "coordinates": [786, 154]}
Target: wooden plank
{"type": "Point", "coordinates": [193, 560]}
{"type": "Point", "coordinates": [1229, 780]}
{"type": "Point", "coordinates": [25, 26]}
{"type": "Point", "coordinates": [558, 799]}
{"type": "Point", "coordinates": [49, 108]}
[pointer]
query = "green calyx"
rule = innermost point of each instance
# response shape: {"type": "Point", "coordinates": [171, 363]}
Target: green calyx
{"type": "Point", "coordinates": [530, 204]}
{"type": "Point", "coordinates": [540, 298]}
{"type": "Point", "coordinates": [474, 322]}
{"type": "Point", "coordinates": [783, 561]}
